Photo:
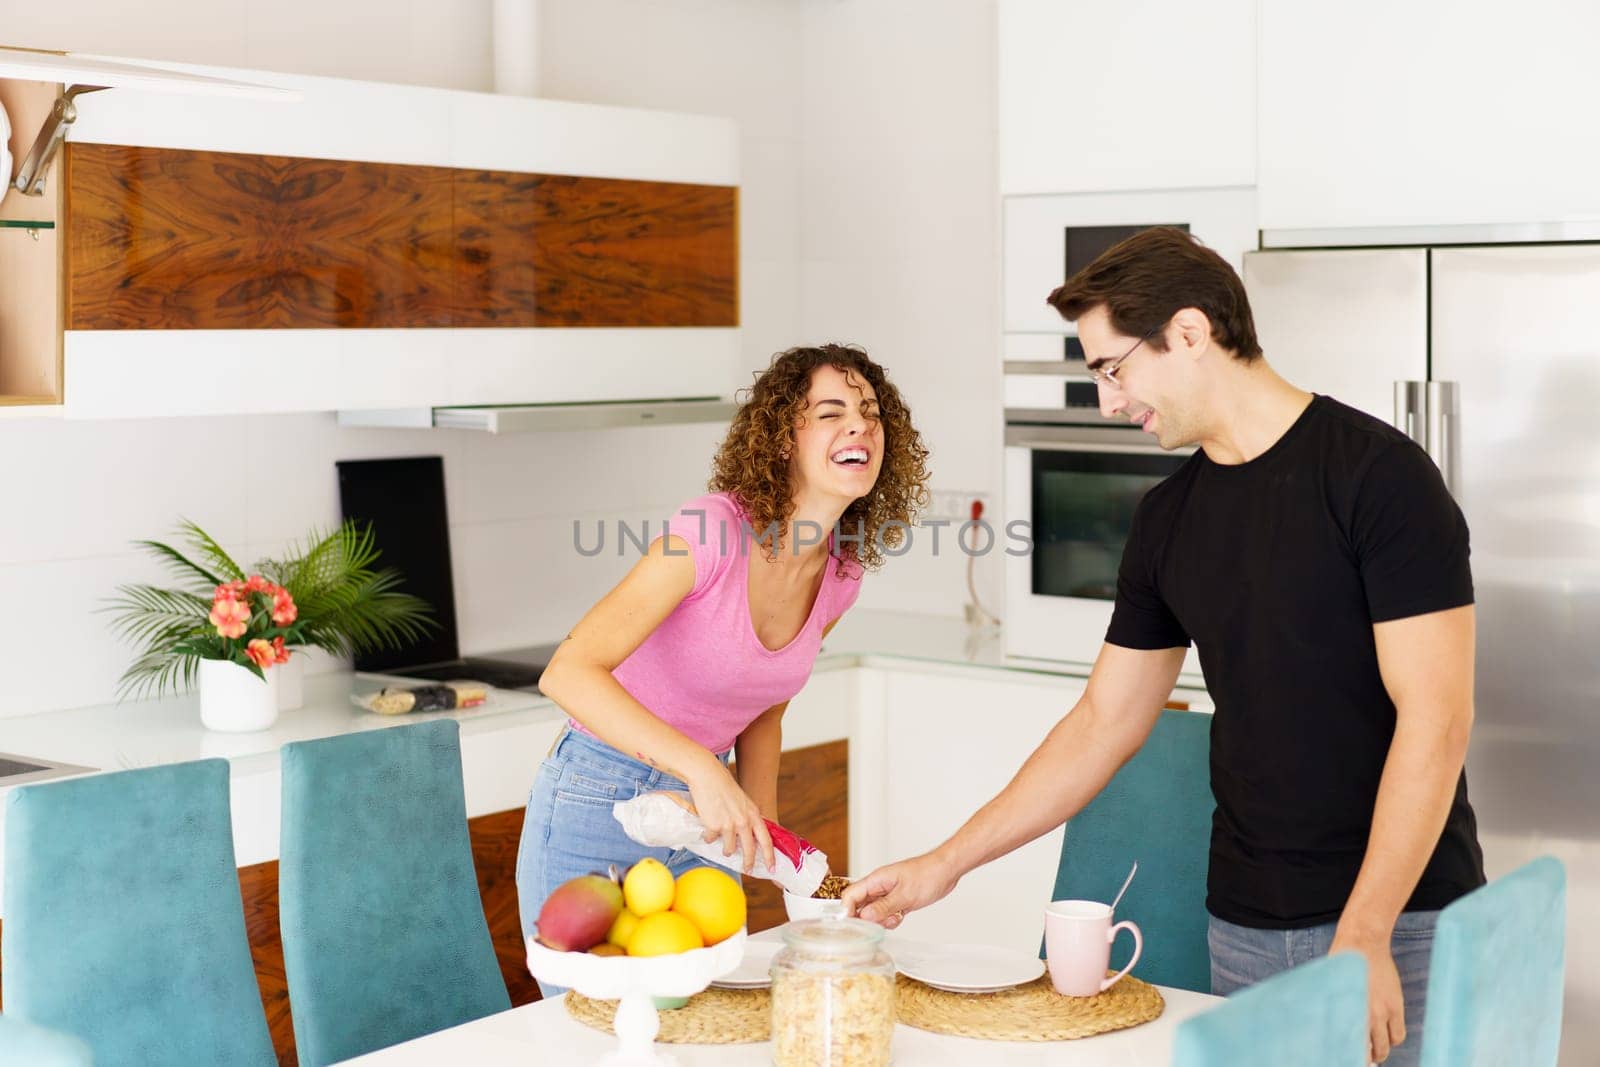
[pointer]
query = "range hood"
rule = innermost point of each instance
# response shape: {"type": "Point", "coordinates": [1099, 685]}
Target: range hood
{"type": "Point", "coordinates": [534, 418]}
{"type": "Point", "coordinates": [594, 415]}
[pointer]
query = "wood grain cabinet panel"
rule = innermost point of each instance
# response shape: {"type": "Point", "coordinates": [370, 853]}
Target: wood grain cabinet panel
{"type": "Point", "coordinates": [635, 254]}
{"type": "Point", "coordinates": [542, 250]}
{"type": "Point", "coordinates": [170, 239]}
{"type": "Point", "coordinates": [163, 239]}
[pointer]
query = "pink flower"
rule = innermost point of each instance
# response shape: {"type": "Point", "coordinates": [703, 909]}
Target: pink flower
{"type": "Point", "coordinates": [229, 616]}
{"type": "Point", "coordinates": [279, 653]}
{"type": "Point", "coordinates": [283, 610]}
{"type": "Point", "coordinates": [262, 652]}
{"type": "Point", "coordinates": [257, 584]}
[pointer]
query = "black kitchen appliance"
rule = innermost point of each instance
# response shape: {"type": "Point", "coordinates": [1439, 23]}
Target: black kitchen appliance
{"type": "Point", "coordinates": [403, 501]}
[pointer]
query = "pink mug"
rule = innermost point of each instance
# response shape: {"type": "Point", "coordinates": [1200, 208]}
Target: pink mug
{"type": "Point", "coordinates": [1077, 946]}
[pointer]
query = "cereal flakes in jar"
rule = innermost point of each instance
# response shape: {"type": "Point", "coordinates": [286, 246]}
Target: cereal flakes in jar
{"type": "Point", "coordinates": [832, 995]}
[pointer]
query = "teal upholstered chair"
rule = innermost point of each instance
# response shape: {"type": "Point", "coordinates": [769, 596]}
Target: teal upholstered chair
{"type": "Point", "coordinates": [38, 1046]}
{"type": "Point", "coordinates": [1156, 810]}
{"type": "Point", "coordinates": [384, 937]}
{"type": "Point", "coordinates": [1314, 1015]}
{"type": "Point", "coordinates": [123, 922]}
{"type": "Point", "coordinates": [1497, 976]}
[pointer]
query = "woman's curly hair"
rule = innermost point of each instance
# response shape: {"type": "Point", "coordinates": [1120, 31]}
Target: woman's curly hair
{"type": "Point", "coordinates": [752, 463]}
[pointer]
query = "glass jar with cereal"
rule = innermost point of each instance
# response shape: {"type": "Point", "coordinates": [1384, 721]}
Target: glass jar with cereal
{"type": "Point", "coordinates": [832, 995]}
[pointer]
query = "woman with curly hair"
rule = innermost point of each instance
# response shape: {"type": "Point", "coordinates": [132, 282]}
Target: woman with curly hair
{"type": "Point", "coordinates": [695, 654]}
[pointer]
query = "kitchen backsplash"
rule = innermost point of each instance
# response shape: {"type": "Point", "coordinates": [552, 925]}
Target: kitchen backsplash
{"type": "Point", "coordinates": [82, 491]}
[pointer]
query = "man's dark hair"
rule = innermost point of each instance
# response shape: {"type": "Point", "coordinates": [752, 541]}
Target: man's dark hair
{"type": "Point", "coordinates": [1148, 278]}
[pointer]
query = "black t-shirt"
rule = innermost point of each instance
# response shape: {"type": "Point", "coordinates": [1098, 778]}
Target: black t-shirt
{"type": "Point", "coordinates": [1277, 569]}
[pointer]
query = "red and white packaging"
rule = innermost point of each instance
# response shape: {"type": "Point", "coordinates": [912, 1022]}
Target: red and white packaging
{"type": "Point", "coordinates": [667, 820]}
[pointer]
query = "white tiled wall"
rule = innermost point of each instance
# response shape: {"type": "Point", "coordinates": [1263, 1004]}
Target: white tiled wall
{"type": "Point", "coordinates": [79, 492]}
{"type": "Point", "coordinates": [867, 214]}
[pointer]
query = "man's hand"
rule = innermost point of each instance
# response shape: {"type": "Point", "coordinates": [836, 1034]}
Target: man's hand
{"type": "Point", "coordinates": [1386, 1006]}
{"type": "Point", "coordinates": [888, 893]}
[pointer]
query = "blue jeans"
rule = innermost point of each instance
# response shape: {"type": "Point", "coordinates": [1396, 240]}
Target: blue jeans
{"type": "Point", "coordinates": [1241, 956]}
{"type": "Point", "coordinates": [568, 829]}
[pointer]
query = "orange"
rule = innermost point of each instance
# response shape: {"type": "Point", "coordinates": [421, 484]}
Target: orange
{"type": "Point", "coordinates": [664, 934]}
{"type": "Point", "coordinates": [712, 900]}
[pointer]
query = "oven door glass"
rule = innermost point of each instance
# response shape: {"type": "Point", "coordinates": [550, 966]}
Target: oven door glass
{"type": "Point", "coordinates": [1083, 505]}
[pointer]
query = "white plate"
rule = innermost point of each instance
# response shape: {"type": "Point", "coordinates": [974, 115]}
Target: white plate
{"type": "Point", "coordinates": [966, 968]}
{"type": "Point", "coordinates": [753, 971]}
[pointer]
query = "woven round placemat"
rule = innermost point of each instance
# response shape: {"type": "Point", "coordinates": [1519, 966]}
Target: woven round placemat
{"type": "Point", "coordinates": [714, 1017]}
{"type": "Point", "coordinates": [1031, 1012]}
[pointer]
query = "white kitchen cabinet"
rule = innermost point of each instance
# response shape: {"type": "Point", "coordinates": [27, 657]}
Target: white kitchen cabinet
{"type": "Point", "coordinates": [932, 746]}
{"type": "Point", "coordinates": [398, 374]}
{"type": "Point", "coordinates": [1143, 94]}
{"type": "Point", "coordinates": [1382, 115]}
{"type": "Point", "coordinates": [822, 711]}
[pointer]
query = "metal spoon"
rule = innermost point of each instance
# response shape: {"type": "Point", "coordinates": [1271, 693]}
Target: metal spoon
{"type": "Point", "coordinates": [1125, 886]}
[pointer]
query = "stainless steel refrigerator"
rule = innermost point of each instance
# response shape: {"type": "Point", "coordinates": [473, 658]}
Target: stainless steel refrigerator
{"type": "Point", "coordinates": [1490, 357]}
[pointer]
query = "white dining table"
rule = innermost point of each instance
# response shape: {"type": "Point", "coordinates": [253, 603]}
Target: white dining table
{"type": "Point", "coordinates": [546, 1034]}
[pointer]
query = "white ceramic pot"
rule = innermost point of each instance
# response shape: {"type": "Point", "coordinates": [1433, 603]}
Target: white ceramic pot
{"type": "Point", "coordinates": [291, 681]}
{"type": "Point", "coordinates": [234, 700]}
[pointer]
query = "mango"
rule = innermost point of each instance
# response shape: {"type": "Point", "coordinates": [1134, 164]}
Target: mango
{"type": "Point", "coordinates": [606, 948]}
{"type": "Point", "coordinates": [579, 914]}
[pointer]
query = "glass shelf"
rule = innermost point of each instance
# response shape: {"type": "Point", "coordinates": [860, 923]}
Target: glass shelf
{"type": "Point", "coordinates": [26, 224]}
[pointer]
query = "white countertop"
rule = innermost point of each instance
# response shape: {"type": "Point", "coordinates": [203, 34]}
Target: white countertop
{"type": "Point", "coordinates": [152, 732]}
{"type": "Point", "coordinates": [148, 733]}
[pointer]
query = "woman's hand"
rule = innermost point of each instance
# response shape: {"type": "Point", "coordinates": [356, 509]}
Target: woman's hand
{"type": "Point", "coordinates": [730, 815]}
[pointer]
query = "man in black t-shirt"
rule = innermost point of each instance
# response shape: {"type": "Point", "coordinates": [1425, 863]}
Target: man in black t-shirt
{"type": "Point", "coordinates": [1315, 558]}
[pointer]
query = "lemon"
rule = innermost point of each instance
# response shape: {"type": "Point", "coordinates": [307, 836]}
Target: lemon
{"type": "Point", "coordinates": [622, 930]}
{"type": "Point", "coordinates": [648, 887]}
{"type": "Point", "coordinates": [662, 934]}
{"type": "Point", "coordinates": [711, 900]}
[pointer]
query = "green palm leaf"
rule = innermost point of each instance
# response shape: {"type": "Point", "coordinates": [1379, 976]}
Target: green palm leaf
{"type": "Point", "coordinates": [348, 607]}
{"type": "Point", "coordinates": [212, 553]}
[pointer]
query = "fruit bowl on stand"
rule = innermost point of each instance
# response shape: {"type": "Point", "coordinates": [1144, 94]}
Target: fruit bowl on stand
{"type": "Point", "coordinates": [634, 982]}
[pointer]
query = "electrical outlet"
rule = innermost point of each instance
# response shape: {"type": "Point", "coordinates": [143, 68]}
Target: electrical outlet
{"type": "Point", "coordinates": [954, 504]}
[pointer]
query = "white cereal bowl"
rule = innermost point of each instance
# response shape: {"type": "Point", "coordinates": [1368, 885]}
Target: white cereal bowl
{"type": "Point", "coordinates": [811, 907]}
{"type": "Point", "coordinates": [634, 981]}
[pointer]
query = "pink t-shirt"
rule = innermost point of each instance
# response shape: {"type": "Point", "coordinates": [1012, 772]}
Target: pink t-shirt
{"type": "Point", "coordinates": [703, 670]}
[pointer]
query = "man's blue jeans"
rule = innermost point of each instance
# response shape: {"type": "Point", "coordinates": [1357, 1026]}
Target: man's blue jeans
{"type": "Point", "coordinates": [1241, 956]}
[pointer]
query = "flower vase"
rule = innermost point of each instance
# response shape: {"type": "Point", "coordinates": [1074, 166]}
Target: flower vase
{"type": "Point", "coordinates": [291, 674]}
{"type": "Point", "coordinates": [234, 700]}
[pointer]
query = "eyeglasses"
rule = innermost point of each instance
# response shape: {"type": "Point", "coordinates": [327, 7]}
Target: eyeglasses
{"type": "Point", "coordinates": [1106, 374]}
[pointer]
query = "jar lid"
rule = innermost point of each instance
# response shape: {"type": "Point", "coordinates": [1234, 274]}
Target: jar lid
{"type": "Point", "coordinates": [833, 937]}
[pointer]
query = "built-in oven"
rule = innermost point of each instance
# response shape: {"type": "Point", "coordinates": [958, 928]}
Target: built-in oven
{"type": "Point", "coordinates": [1076, 484]}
